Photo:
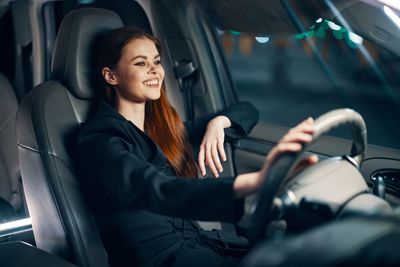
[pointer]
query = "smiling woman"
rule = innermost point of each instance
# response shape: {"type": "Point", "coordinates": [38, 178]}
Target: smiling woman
{"type": "Point", "coordinates": [146, 194]}
{"type": "Point", "coordinates": [133, 74]}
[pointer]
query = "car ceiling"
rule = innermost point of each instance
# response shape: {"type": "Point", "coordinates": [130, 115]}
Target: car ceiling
{"type": "Point", "coordinates": [266, 18]}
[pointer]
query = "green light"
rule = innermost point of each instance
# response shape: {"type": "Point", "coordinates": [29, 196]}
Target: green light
{"type": "Point", "coordinates": [309, 33]}
{"type": "Point", "coordinates": [235, 33]}
{"type": "Point", "coordinates": [299, 36]}
{"type": "Point", "coordinates": [320, 30]}
{"type": "Point", "coordinates": [324, 25]}
{"type": "Point", "coordinates": [351, 44]}
{"type": "Point", "coordinates": [338, 34]}
{"type": "Point", "coordinates": [320, 33]}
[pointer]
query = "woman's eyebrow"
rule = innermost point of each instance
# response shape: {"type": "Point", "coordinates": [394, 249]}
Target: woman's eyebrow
{"type": "Point", "coordinates": [144, 57]}
{"type": "Point", "coordinates": [139, 56]}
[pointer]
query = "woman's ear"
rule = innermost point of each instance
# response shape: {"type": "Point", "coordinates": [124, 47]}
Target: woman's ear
{"type": "Point", "coordinates": [109, 76]}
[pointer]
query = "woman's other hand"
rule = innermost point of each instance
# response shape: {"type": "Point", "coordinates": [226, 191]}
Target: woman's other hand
{"type": "Point", "coordinates": [292, 141]}
{"type": "Point", "coordinates": [212, 146]}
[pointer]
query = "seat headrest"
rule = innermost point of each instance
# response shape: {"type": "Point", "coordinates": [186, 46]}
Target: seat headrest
{"type": "Point", "coordinates": [74, 55]}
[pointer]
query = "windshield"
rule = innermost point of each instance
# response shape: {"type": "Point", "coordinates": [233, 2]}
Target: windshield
{"type": "Point", "coordinates": [344, 54]}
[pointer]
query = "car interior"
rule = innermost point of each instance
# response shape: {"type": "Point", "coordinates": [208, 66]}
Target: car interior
{"type": "Point", "coordinates": [12, 206]}
{"type": "Point", "coordinates": [291, 59]}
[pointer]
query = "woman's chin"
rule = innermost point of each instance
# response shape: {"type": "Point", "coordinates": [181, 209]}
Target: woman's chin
{"type": "Point", "coordinates": [155, 95]}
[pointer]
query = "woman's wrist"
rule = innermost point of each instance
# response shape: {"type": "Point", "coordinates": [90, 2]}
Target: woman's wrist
{"type": "Point", "coordinates": [222, 121]}
{"type": "Point", "coordinates": [246, 184]}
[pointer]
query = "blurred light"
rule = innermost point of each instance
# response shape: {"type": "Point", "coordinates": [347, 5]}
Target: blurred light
{"type": "Point", "coordinates": [392, 3]}
{"type": "Point", "coordinates": [15, 224]}
{"type": "Point", "coordinates": [235, 33]}
{"type": "Point", "coordinates": [338, 34]}
{"type": "Point", "coordinates": [262, 39]}
{"type": "Point", "coordinates": [319, 20]}
{"type": "Point", "coordinates": [390, 13]}
{"type": "Point", "coordinates": [220, 32]}
{"type": "Point", "coordinates": [357, 39]}
{"type": "Point", "coordinates": [309, 33]}
{"type": "Point", "coordinates": [320, 33]}
{"type": "Point", "coordinates": [85, 2]}
{"type": "Point", "coordinates": [299, 36]}
{"type": "Point", "coordinates": [333, 26]}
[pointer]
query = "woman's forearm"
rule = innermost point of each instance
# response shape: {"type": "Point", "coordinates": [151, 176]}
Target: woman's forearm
{"type": "Point", "coordinates": [246, 184]}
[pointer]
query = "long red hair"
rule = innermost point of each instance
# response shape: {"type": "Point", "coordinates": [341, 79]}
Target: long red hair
{"type": "Point", "coordinates": [162, 123]}
{"type": "Point", "coordinates": [164, 126]}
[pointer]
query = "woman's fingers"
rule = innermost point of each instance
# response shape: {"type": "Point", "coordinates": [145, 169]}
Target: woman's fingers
{"type": "Point", "coordinates": [218, 153]}
{"type": "Point", "coordinates": [216, 160]}
{"type": "Point", "coordinates": [210, 161]}
{"type": "Point", "coordinates": [304, 163]}
{"type": "Point", "coordinates": [211, 153]}
{"type": "Point", "coordinates": [221, 149]}
{"type": "Point", "coordinates": [212, 146]}
{"type": "Point", "coordinates": [294, 139]}
{"type": "Point", "coordinates": [282, 148]}
{"type": "Point", "coordinates": [302, 133]}
{"type": "Point", "coordinates": [306, 126]}
{"type": "Point", "coordinates": [297, 137]}
{"type": "Point", "coordinates": [208, 156]}
{"type": "Point", "coordinates": [201, 159]}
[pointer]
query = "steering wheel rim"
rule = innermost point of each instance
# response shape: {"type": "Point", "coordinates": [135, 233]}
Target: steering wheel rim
{"type": "Point", "coordinates": [261, 211]}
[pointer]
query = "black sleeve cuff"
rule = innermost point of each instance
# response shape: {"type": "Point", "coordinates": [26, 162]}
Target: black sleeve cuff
{"type": "Point", "coordinates": [243, 116]}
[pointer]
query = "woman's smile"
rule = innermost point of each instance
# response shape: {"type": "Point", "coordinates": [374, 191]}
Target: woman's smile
{"type": "Point", "coordinates": [152, 83]}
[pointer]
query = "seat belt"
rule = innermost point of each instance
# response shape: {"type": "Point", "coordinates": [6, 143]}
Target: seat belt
{"type": "Point", "coordinates": [186, 73]}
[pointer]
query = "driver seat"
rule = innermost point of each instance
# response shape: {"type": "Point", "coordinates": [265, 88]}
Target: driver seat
{"type": "Point", "coordinates": [47, 121]}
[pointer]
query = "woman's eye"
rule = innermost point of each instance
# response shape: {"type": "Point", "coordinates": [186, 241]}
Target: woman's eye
{"type": "Point", "coordinates": [157, 62]}
{"type": "Point", "coordinates": [139, 64]}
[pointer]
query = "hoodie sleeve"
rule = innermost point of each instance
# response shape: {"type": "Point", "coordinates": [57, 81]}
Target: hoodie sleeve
{"type": "Point", "coordinates": [243, 116]}
{"type": "Point", "coordinates": [117, 175]}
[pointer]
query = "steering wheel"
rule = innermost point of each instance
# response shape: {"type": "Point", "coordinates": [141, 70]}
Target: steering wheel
{"type": "Point", "coordinates": [261, 210]}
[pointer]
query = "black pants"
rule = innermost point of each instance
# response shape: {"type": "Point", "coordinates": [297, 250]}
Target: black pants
{"type": "Point", "coordinates": [211, 249]}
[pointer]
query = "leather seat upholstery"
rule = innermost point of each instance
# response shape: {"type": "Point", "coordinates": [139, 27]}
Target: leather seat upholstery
{"type": "Point", "coordinates": [47, 120]}
{"type": "Point", "coordinates": [11, 203]}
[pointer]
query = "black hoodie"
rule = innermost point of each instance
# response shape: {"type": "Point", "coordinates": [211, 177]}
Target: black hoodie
{"type": "Point", "coordinates": [135, 194]}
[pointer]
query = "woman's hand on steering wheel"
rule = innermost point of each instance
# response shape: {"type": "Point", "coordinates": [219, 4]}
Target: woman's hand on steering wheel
{"type": "Point", "coordinates": [292, 141]}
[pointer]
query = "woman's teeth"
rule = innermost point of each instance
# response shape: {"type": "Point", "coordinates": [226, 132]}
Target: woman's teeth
{"type": "Point", "coordinates": [151, 83]}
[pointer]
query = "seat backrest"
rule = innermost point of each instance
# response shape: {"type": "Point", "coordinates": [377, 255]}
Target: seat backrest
{"type": "Point", "coordinates": [47, 120]}
{"type": "Point", "coordinates": [10, 181]}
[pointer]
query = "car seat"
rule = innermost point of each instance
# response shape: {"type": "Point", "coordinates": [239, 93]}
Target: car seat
{"type": "Point", "coordinates": [47, 120]}
{"type": "Point", "coordinates": [11, 200]}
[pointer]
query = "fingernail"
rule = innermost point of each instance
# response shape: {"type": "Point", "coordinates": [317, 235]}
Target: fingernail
{"type": "Point", "coordinates": [221, 170]}
{"type": "Point", "coordinates": [216, 176]}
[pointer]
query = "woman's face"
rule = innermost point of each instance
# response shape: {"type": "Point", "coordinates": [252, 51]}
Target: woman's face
{"type": "Point", "coordinates": [139, 74]}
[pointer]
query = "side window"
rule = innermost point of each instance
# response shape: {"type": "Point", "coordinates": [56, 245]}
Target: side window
{"type": "Point", "coordinates": [292, 77]}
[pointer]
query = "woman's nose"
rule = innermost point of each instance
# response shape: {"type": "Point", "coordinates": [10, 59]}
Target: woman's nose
{"type": "Point", "coordinates": [152, 68]}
